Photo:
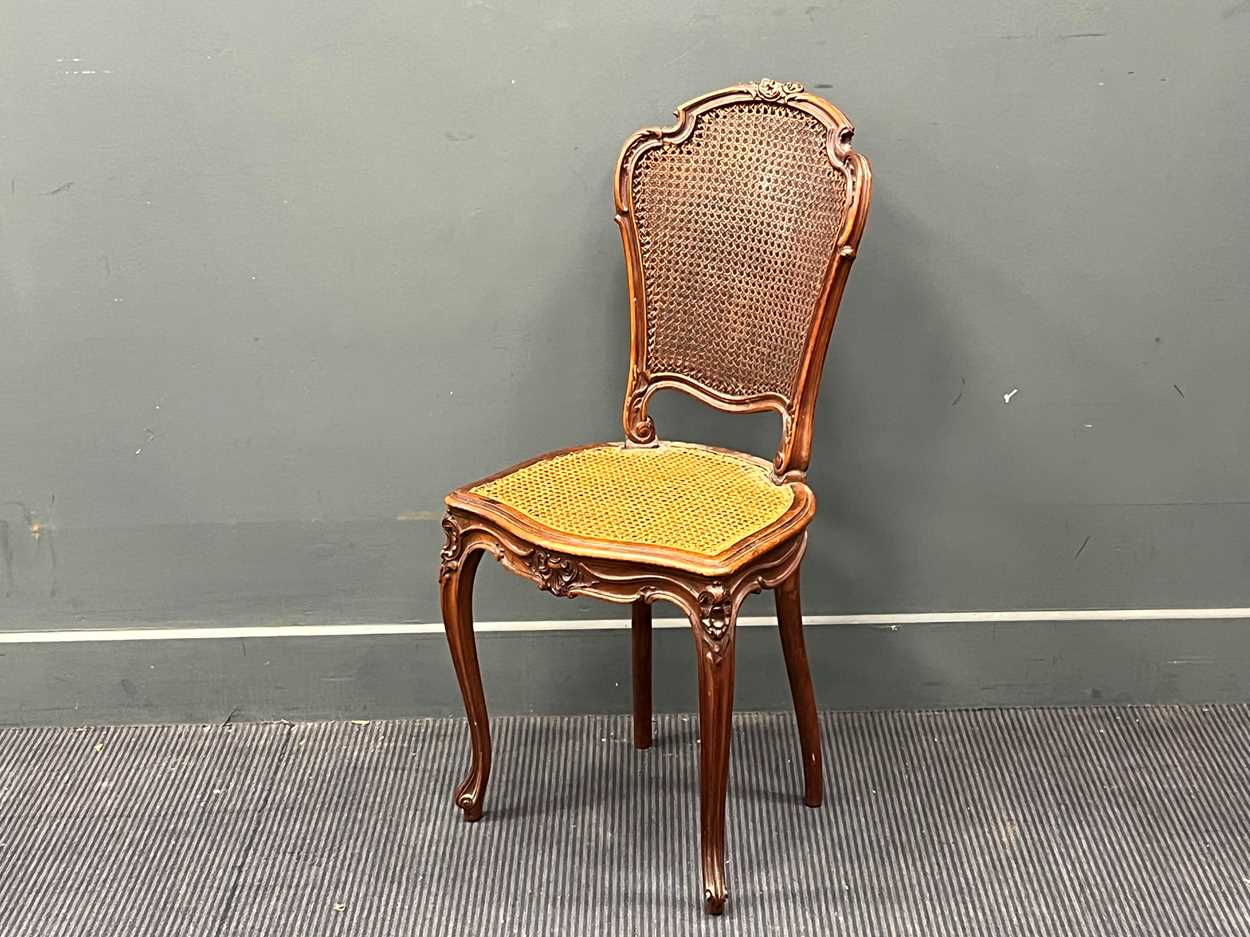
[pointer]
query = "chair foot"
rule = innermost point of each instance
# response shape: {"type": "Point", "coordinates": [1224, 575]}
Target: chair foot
{"type": "Point", "coordinates": [469, 797]}
{"type": "Point", "coordinates": [714, 903]}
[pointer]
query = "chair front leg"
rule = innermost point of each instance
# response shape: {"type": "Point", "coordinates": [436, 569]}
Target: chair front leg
{"type": "Point", "coordinates": [790, 625]}
{"type": "Point", "coordinates": [640, 638]}
{"type": "Point", "coordinates": [714, 645]}
{"type": "Point", "coordinates": [457, 599]}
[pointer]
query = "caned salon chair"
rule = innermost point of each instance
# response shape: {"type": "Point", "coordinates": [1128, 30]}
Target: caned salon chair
{"type": "Point", "coordinates": [740, 223]}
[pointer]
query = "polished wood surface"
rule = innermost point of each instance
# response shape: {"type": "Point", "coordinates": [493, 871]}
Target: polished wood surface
{"type": "Point", "coordinates": [708, 589]}
{"type": "Point", "coordinates": [456, 586]}
{"type": "Point", "coordinates": [714, 646]}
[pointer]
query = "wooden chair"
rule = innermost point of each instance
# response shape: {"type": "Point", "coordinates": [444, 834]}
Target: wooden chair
{"type": "Point", "coordinates": [739, 223]}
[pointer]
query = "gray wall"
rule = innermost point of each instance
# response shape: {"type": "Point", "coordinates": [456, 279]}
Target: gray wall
{"type": "Point", "coordinates": [274, 276]}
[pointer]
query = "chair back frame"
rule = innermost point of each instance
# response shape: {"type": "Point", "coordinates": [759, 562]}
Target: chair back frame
{"type": "Point", "coordinates": [796, 408]}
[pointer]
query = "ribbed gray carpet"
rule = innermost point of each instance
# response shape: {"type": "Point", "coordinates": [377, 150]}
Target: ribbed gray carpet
{"type": "Point", "coordinates": [1043, 822]}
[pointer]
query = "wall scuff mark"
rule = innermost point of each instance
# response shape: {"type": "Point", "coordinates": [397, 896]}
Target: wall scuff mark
{"type": "Point", "coordinates": [6, 555]}
{"type": "Point", "coordinates": [40, 532]}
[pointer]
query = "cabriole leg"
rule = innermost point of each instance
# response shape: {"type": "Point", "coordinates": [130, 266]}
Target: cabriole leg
{"type": "Point", "coordinates": [790, 625]}
{"type": "Point", "coordinates": [714, 645]}
{"type": "Point", "coordinates": [457, 598]}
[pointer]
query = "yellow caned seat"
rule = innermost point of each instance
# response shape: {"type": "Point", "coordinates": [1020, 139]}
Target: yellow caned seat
{"type": "Point", "coordinates": [692, 500]}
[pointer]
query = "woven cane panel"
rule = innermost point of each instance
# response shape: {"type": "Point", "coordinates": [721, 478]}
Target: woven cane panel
{"type": "Point", "coordinates": [674, 495]}
{"type": "Point", "coordinates": [736, 228]}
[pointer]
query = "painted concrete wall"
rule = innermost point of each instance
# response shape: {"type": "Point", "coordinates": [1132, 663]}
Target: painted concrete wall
{"type": "Point", "coordinates": [927, 665]}
{"type": "Point", "coordinates": [274, 276]}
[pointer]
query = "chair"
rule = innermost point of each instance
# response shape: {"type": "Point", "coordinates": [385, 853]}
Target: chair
{"type": "Point", "coordinates": [739, 224]}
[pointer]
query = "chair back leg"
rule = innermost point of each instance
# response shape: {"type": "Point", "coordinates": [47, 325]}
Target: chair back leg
{"type": "Point", "coordinates": [790, 625]}
{"type": "Point", "coordinates": [640, 637]}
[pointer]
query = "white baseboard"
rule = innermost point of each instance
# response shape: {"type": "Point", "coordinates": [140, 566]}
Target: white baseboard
{"type": "Point", "coordinates": [188, 631]}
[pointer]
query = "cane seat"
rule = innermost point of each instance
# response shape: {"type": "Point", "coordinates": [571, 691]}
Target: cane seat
{"type": "Point", "coordinates": [690, 504]}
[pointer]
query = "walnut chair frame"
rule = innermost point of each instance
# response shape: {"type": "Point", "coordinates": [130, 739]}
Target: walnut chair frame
{"type": "Point", "coordinates": [708, 589]}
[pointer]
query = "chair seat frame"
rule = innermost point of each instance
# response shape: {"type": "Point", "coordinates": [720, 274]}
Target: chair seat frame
{"type": "Point", "coordinates": [709, 591]}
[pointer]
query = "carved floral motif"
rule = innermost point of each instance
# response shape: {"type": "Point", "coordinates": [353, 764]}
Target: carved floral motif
{"type": "Point", "coordinates": [557, 574]}
{"type": "Point", "coordinates": [769, 89]}
{"type": "Point", "coordinates": [716, 609]}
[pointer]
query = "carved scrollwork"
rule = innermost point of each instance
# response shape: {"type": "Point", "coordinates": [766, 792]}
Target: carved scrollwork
{"type": "Point", "coordinates": [710, 602]}
{"type": "Point", "coordinates": [638, 426]}
{"type": "Point", "coordinates": [453, 547]}
{"type": "Point", "coordinates": [559, 575]}
{"type": "Point", "coordinates": [787, 440]}
{"type": "Point", "coordinates": [769, 89]}
{"type": "Point", "coordinates": [842, 142]}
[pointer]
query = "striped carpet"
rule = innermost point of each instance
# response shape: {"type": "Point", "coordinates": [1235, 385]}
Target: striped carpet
{"type": "Point", "coordinates": [1018, 822]}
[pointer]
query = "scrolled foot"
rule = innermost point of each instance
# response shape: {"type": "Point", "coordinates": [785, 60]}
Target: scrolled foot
{"type": "Point", "coordinates": [469, 797]}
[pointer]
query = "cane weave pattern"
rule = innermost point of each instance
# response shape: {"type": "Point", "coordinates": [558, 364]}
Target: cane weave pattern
{"type": "Point", "coordinates": [674, 495]}
{"type": "Point", "coordinates": [736, 227]}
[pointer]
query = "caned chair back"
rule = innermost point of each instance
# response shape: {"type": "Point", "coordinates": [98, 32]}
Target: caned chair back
{"type": "Point", "coordinates": [739, 225]}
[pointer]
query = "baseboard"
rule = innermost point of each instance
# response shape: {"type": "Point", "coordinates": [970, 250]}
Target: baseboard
{"type": "Point", "coordinates": [198, 673]}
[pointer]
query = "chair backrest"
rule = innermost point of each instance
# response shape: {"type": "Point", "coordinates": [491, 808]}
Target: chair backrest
{"type": "Point", "coordinates": [740, 223]}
